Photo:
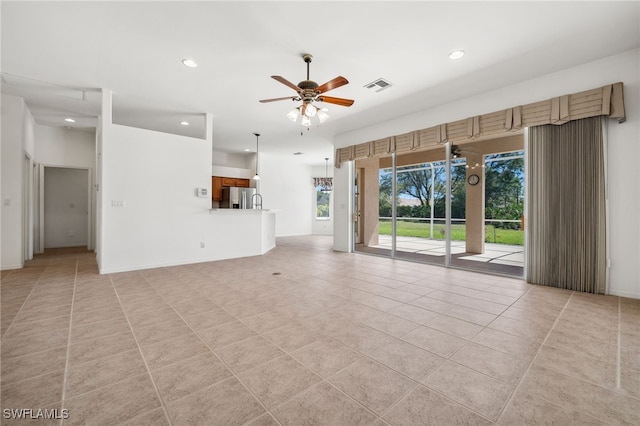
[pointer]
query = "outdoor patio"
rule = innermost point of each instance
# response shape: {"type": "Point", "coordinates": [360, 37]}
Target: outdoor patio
{"type": "Point", "coordinates": [497, 258]}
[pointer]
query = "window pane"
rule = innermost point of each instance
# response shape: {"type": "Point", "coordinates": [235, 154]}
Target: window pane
{"type": "Point", "coordinates": [322, 204]}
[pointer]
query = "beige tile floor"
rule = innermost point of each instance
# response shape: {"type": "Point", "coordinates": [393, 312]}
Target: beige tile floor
{"type": "Point", "coordinates": [306, 336]}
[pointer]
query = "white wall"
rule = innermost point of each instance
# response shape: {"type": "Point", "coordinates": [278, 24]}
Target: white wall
{"type": "Point", "coordinates": [232, 172]}
{"type": "Point", "coordinates": [60, 147]}
{"type": "Point", "coordinates": [17, 140]}
{"type": "Point", "coordinates": [286, 186]}
{"type": "Point", "coordinates": [624, 151]}
{"type": "Point", "coordinates": [343, 207]}
{"type": "Point", "coordinates": [162, 222]}
{"type": "Point", "coordinates": [155, 175]}
{"type": "Point", "coordinates": [66, 197]}
{"type": "Point", "coordinates": [321, 226]}
{"type": "Point", "coordinates": [237, 161]}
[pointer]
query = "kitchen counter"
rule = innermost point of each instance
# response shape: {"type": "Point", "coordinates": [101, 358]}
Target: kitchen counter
{"type": "Point", "coordinates": [239, 211]}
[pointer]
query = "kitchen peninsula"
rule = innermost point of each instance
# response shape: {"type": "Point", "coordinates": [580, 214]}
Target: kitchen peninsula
{"type": "Point", "coordinates": [245, 232]}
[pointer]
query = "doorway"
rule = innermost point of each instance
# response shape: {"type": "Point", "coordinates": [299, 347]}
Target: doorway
{"type": "Point", "coordinates": [67, 208]}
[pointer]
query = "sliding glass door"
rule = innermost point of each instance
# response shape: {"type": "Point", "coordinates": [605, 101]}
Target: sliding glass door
{"type": "Point", "coordinates": [402, 204]}
{"type": "Point", "coordinates": [420, 225]}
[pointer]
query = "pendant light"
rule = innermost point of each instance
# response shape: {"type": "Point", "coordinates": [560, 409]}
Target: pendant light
{"type": "Point", "coordinates": [326, 186]}
{"type": "Point", "coordinates": [257, 177]}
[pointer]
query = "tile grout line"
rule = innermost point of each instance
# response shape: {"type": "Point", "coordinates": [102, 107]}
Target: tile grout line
{"type": "Point", "coordinates": [455, 362]}
{"type": "Point", "coordinates": [517, 387]}
{"type": "Point", "coordinates": [290, 354]}
{"type": "Point", "coordinates": [67, 360]}
{"type": "Point", "coordinates": [395, 404]}
{"type": "Point", "coordinates": [484, 328]}
{"type": "Point", "coordinates": [326, 379]}
{"type": "Point", "coordinates": [25, 299]}
{"type": "Point", "coordinates": [208, 347]}
{"type": "Point", "coordinates": [417, 383]}
{"type": "Point", "coordinates": [467, 341]}
{"type": "Point", "coordinates": [153, 382]}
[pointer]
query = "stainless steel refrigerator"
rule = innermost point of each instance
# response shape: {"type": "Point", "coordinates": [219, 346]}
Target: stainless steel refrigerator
{"type": "Point", "coordinates": [237, 198]}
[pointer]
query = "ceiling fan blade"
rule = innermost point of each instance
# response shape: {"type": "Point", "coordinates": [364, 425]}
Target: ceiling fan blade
{"type": "Point", "coordinates": [293, 98]}
{"type": "Point", "coordinates": [337, 101]}
{"type": "Point", "coordinates": [286, 82]}
{"type": "Point", "coordinates": [333, 84]}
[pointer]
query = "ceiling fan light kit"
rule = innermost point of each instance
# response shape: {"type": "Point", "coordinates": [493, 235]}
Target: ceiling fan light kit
{"type": "Point", "coordinates": [308, 92]}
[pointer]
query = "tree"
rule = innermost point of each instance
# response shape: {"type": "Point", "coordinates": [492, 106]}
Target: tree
{"type": "Point", "coordinates": [384, 202]}
{"type": "Point", "coordinates": [504, 190]}
{"type": "Point", "coordinates": [322, 203]}
{"type": "Point", "coordinates": [504, 196]}
{"type": "Point", "coordinates": [416, 184]}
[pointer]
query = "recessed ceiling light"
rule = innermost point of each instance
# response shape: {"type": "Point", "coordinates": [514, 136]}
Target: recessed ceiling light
{"type": "Point", "coordinates": [184, 123]}
{"type": "Point", "coordinates": [247, 150]}
{"type": "Point", "coordinates": [456, 54]}
{"type": "Point", "coordinates": [189, 63]}
{"type": "Point", "coordinates": [69, 120]}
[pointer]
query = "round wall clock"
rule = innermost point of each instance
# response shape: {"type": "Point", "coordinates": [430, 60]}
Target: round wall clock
{"type": "Point", "coordinates": [473, 179]}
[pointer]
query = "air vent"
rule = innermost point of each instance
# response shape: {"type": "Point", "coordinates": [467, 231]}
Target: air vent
{"type": "Point", "coordinates": [378, 85]}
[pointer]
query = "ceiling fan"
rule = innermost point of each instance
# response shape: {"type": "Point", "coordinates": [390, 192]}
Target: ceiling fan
{"type": "Point", "coordinates": [308, 91]}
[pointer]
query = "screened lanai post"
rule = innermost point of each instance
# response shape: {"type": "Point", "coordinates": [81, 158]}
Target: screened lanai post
{"type": "Point", "coordinates": [474, 205]}
{"type": "Point", "coordinates": [566, 245]}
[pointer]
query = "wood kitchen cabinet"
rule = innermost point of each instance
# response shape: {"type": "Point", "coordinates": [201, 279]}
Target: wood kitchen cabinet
{"type": "Point", "coordinates": [216, 188]}
{"type": "Point", "coordinates": [219, 182]}
{"type": "Point", "coordinates": [226, 181]}
{"type": "Point", "coordinates": [242, 183]}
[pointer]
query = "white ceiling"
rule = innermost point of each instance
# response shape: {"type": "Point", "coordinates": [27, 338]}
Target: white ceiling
{"type": "Point", "coordinates": [57, 54]}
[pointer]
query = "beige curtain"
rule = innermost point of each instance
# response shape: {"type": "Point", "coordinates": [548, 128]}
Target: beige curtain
{"type": "Point", "coordinates": [566, 202]}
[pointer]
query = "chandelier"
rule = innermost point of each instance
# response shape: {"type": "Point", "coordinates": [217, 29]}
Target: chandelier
{"type": "Point", "coordinates": [326, 183]}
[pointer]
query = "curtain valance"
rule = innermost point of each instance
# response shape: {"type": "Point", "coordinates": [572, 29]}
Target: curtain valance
{"type": "Point", "coordinates": [607, 101]}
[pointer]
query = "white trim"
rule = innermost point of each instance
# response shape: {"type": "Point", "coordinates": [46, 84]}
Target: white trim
{"type": "Point", "coordinates": [11, 267]}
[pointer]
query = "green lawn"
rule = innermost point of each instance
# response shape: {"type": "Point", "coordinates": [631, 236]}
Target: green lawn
{"type": "Point", "coordinates": [458, 232]}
